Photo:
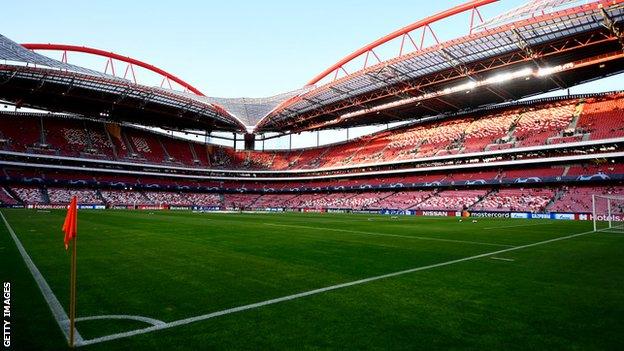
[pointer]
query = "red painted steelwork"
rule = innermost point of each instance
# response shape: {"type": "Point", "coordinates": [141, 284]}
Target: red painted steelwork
{"type": "Point", "coordinates": [112, 55]}
{"type": "Point", "coordinates": [471, 5]}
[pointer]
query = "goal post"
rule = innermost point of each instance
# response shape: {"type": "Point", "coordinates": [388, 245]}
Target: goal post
{"type": "Point", "coordinates": [608, 213]}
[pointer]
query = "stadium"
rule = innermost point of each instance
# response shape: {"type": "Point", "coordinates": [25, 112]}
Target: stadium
{"type": "Point", "coordinates": [482, 208]}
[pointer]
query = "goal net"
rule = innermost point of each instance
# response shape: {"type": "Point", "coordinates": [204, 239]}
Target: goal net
{"type": "Point", "coordinates": [608, 213]}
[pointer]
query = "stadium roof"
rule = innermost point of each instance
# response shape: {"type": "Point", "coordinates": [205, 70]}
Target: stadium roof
{"type": "Point", "coordinates": [34, 80]}
{"type": "Point", "coordinates": [541, 46]}
{"type": "Point", "coordinates": [553, 48]}
{"type": "Point", "coordinates": [251, 110]}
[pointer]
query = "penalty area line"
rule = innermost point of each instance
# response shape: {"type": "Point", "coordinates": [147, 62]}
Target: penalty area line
{"type": "Point", "coordinates": [185, 321]}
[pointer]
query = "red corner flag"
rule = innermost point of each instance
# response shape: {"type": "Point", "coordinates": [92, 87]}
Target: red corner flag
{"type": "Point", "coordinates": [70, 226]}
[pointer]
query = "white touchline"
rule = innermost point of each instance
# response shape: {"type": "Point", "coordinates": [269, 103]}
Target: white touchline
{"type": "Point", "coordinates": [503, 259]}
{"type": "Point", "coordinates": [385, 234]}
{"type": "Point", "coordinates": [519, 225]}
{"type": "Point", "coordinates": [55, 306]}
{"type": "Point", "coordinates": [313, 292]}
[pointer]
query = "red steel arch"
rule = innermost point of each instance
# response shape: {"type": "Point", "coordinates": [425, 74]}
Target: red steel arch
{"type": "Point", "coordinates": [112, 56]}
{"type": "Point", "coordinates": [424, 23]}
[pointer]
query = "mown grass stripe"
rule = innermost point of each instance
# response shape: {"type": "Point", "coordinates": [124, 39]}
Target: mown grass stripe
{"type": "Point", "coordinates": [389, 235]}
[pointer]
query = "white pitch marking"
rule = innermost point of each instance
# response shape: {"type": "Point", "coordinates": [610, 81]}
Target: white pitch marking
{"type": "Point", "coordinates": [391, 235]}
{"type": "Point", "coordinates": [55, 306]}
{"type": "Point", "coordinates": [147, 320]}
{"type": "Point", "coordinates": [519, 225]}
{"type": "Point", "coordinates": [314, 292]}
{"type": "Point", "coordinates": [503, 259]}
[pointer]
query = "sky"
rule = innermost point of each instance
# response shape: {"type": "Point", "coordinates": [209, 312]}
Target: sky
{"type": "Point", "coordinates": [233, 48]}
{"type": "Point", "coordinates": [225, 48]}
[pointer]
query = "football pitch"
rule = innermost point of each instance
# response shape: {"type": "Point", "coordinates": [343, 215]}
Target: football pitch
{"type": "Point", "coordinates": [181, 280]}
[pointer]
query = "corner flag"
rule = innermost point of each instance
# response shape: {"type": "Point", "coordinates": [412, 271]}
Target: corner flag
{"type": "Point", "coordinates": [70, 227]}
{"type": "Point", "coordinates": [71, 219]}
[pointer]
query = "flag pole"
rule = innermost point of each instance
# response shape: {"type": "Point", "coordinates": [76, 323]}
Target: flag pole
{"type": "Point", "coordinates": [70, 227]}
{"type": "Point", "coordinates": [72, 295]}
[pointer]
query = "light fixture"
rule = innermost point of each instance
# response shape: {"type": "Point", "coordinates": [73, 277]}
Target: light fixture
{"type": "Point", "coordinates": [466, 87]}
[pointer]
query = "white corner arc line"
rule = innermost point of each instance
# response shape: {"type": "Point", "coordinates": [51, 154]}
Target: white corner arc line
{"type": "Point", "coordinates": [55, 306]}
{"type": "Point", "coordinates": [147, 320]}
{"type": "Point", "coordinates": [180, 322]}
{"type": "Point", "coordinates": [390, 235]}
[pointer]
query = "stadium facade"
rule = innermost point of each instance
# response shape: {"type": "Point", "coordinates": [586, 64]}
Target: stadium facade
{"type": "Point", "coordinates": [474, 143]}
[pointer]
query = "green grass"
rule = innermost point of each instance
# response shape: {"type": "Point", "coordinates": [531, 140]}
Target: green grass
{"type": "Point", "coordinates": [566, 294]}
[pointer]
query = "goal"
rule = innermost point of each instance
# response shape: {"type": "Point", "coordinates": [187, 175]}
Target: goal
{"type": "Point", "coordinates": [608, 213]}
